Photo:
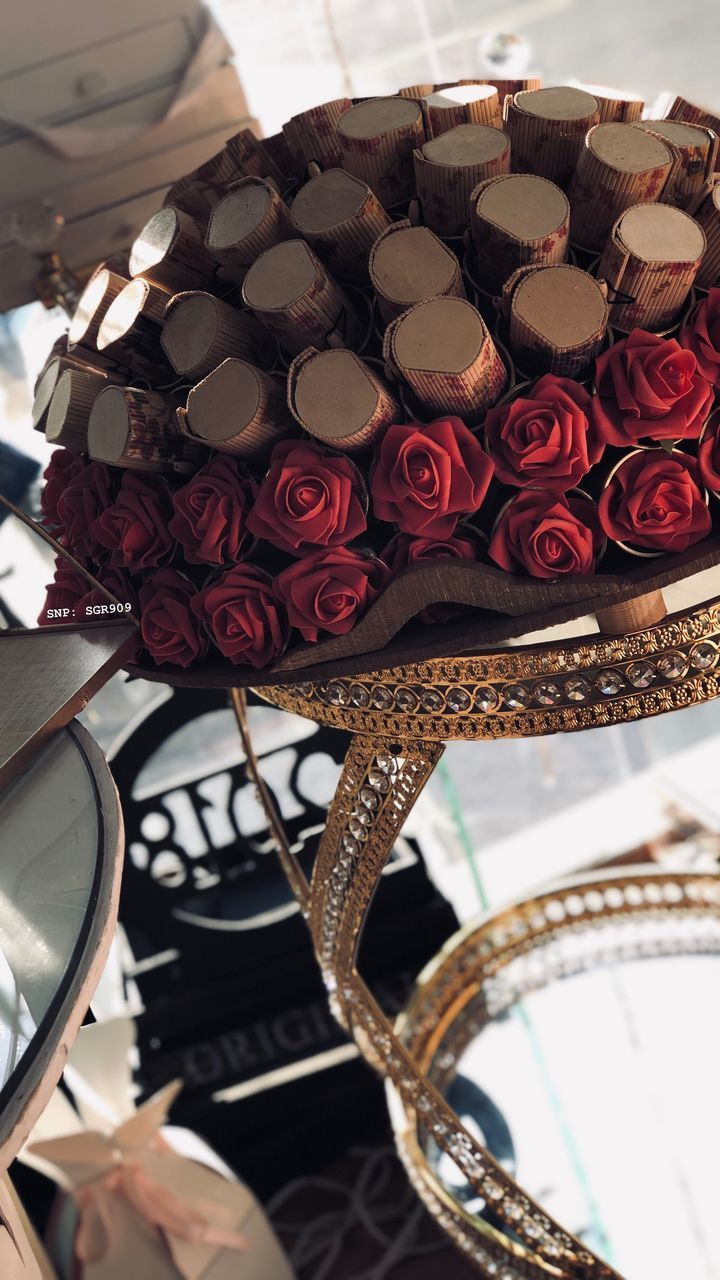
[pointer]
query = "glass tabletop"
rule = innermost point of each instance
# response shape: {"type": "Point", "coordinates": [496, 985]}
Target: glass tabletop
{"type": "Point", "coordinates": [598, 1092]}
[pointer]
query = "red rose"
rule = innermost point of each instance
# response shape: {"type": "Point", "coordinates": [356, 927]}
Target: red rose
{"type": "Point", "coordinates": [547, 535]}
{"type": "Point", "coordinates": [405, 550]}
{"type": "Point", "coordinates": [211, 510]}
{"type": "Point", "coordinates": [118, 583]}
{"type": "Point", "coordinates": [66, 589]}
{"type": "Point", "coordinates": [702, 336]}
{"type": "Point", "coordinates": [89, 493]}
{"type": "Point", "coordinates": [60, 470]}
{"type": "Point", "coordinates": [708, 454]}
{"type": "Point", "coordinates": [244, 617]}
{"type": "Point", "coordinates": [654, 500]}
{"type": "Point", "coordinates": [649, 387]}
{"type": "Point", "coordinates": [547, 438]}
{"type": "Point", "coordinates": [425, 477]}
{"type": "Point", "coordinates": [168, 625]}
{"type": "Point", "coordinates": [310, 497]}
{"type": "Point", "coordinates": [330, 590]}
{"type": "Point", "coordinates": [134, 529]}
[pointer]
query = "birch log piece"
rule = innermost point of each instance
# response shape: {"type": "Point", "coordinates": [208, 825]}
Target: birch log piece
{"type": "Point", "coordinates": [557, 319]}
{"type": "Point", "coordinates": [311, 135]}
{"type": "Point", "coordinates": [128, 333]}
{"type": "Point", "coordinates": [238, 409]}
{"type": "Point", "coordinates": [292, 294]}
{"type": "Point", "coordinates": [547, 130]}
{"type": "Point", "coordinates": [448, 168]}
{"type": "Point", "coordinates": [49, 378]}
{"type": "Point", "coordinates": [133, 428]}
{"type": "Point", "coordinates": [341, 218]}
{"type": "Point", "coordinates": [650, 263]}
{"type": "Point", "coordinates": [708, 217]}
{"type": "Point", "coordinates": [618, 167]}
{"type": "Point", "coordinates": [516, 220]}
{"type": "Point", "coordinates": [443, 351]}
{"type": "Point", "coordinates": [681, 109]}
{"type": "Point", "coordinates": [462, 104]}
{"type": "Point", "coordinates": [339, 399]}
{"type": "Point", "coordinates": [170, 252]}
{"type": "Point", "coordinates": [69, 412]}
{"type": "Point", "coordinates": [616, 106]}
{"type": "Point", "coordinates": [200, 331]}
{"type": "Point", "coordinates": [696, 153]}
{"type": "Point", "coordinates": [378, 138]}
{"type": "Point", "coordinates": [410, 264]}
{"type": "Point", "coordinates": [95, 299]}
{"type": "Point", "coordinates": [251, 218]}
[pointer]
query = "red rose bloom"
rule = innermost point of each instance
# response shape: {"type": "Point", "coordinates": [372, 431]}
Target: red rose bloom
{"type": "Point", "coordinates": [547, 535]}
{"type": "Point", "coordinates": [89, 493]}
{"type": "Point", "coordinates": [60, 470]}
{"type": "Point", "coordinates": [211, 510]}
{"type": "Point", "coordinates": [244, 617]}
{"type": "Point", "coordinates": [330, 590]}
{"type": "Point", "coordinates": [426, 477]}
{"type": "Point", "coordinates": [66, 589]}
{"type": "Point", "coordinates": [654, 501]}
{"type": "Point", "coordinates": [169, 627]}
{"type": "Point", "coordinates": [547, 438]}
{"type": "Point", "coordinates": [702, 336]}
{"type": "Point", "coordinates": [649, 388]}
{"type": "Point", "coordinates": [116, 582]}
{"type": "Point", "coordinates": [708, 454]}
{"type": "Point", "coordinates": [405, 550]}
{"type": "Point", "coordinates": [310, 497]}
{"type": "Point", "coordinates": [134, 529]}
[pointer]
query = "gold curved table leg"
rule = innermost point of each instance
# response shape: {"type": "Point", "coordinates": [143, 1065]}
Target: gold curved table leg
{"type": "Point", "coordinates": [380, 782]}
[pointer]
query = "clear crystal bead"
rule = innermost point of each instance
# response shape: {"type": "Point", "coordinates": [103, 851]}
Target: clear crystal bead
{"type": "Point", "coordinates": [359, 695]}
{"type": "Point", "coordinates": [517, 696]}
{"type": "Point", "coordinates": [513, 1211]}
{"type": "Point", "coordinates": [458, 699]}
{"type": "Point", "coordinates": [672, 666]}
{"type": "Point", "coordinates": [363, 815]}
{"type": "Point", "coordinates": [350, 844]}
{"type": "Point", "coordinates": [547, 693]}
{"type": "Point", "coordinates": [492, 1189]}
{"type": "Point", "coordinates": [338, 693]}
{"type": "Point", "coordinates": [305, 690]}
{"type": "Point", "coordinates": [406, 699]}
{"type": "Point", "coordinates": [424, 1104]}
{"type": "Point", "coordinates": [486, 698]}
{"type": "Point", "coordinates": [609, 681]}
{"type": "Point", "coordinates": [578, 689]}
{"type": "Point", "coordinates": [379, 781]}
{"type": "Point", "coordinates": [357, 828]}
{"type": "Point", "coordinates": [386, 764]}
{"type": "Point", "coordinates": [640, 674]}
{"type": "Point", "coordinates": [703, 655]}
{"type": "Point", "coordinates": [369, 797]}
{"type": "Point", "coordinates": [380, 697]}
{"type": "Point", "coordinates": [431, 700]}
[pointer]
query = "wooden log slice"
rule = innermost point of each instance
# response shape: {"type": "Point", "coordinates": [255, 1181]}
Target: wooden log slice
{"type": "Point", "coordinates": [410, 264]}
{"type": "Point", "coordinates": [462, 104]}
{"type": "Point", "coordinates": [170, 252]}
{"type": "Point", "coordinates": [341, 217]}
{"type": "Point", "coordinates": [517, 220]}
{"type": "Point", "coordinates": [650, 261]}
{"type": "Point", "coordinates": [557, 318]}
{"type": "Point", "coordinates": [296, 298]}
{"type": "Point", "coordinates": [618, 167]}
{"type": "Point", "coordinates": [239, 409]}
{"type": "Point", "coordinates": [378, 138]}
{"type": "Point", "coordinates": [547, 129]}
{"type": "Point", "coordinates": [69, 412]}
{"type": "Point", "coordinates": [449, 167]}
{"type": "Point", "coordinates": [708, 217]}
{"type": "Point", "coordinates": [200, 331]}
{"type": "Point", "coordinates": [95, 299]}
{"type": "Point", "coordinates": [339, 399]}
{"type": "Point", "coordinates": [696, 154]}
{"type": "Point", "coordinates": [616, 106]}
{"type": "Point", "coordinates": [133, 428]}
{"type": "Point", "coordinates": [248, 220]}
{"type": "Point", "coordinates": [311, 135]}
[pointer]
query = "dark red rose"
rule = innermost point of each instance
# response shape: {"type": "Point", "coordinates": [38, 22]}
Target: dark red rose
{"type": "Point", "coordinates": [88, 494]}
{"type": "Point", "coordinates": [330, 590]}
{"type": "Point", "coordinates": [547, 535]}
{"type": "Point", "coordinates": [243, 616]}
{"type": "Point", "coordinates": [426, 477]}
{"type": "Point", "coordinates": [169, 627]}
{"type": "Point", "coordinates": [649, 388]}
{"type": "Point", "coordinates": [654, 500]}
{"type": "Point", "coordinates": [134, 529]}
{"type": "Point", "coordinates": [310, 497]}
{"type": "Point", "coordinates": [63, 466]}
{"type": "Point", "coordinates": [405, 550]}
{"type": "Point", "coordinates": [547, 438]}
{"type": "Point", "coordinates": [702, 336]}
{"type": "Point", "coordinates": [708, 454]}
{"type": "Point", "coordinates": [211, 511]}
{"type": "Point", "coordinates": [119, 584]}
{"type": "Point", "coordinates": [66, 589]}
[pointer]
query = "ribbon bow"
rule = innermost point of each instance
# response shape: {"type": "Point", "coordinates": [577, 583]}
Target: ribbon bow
{"type": "Point", "coordinates": [133, 1171]}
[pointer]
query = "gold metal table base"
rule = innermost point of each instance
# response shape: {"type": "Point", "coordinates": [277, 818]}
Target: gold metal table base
{"type": "Point", "coordinates": [400, 719]}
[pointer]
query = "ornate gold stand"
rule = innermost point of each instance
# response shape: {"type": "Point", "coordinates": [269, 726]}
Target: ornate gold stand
{"type": "Point", "coordinates": [400, 718]}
